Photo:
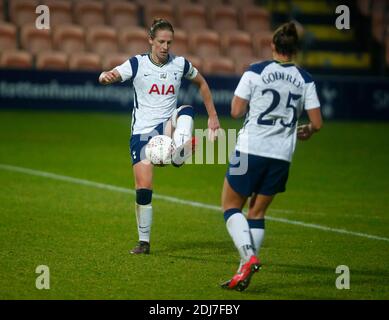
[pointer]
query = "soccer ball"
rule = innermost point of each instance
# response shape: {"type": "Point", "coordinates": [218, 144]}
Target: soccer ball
{"type": "Point", "coordinates": [159, 150]}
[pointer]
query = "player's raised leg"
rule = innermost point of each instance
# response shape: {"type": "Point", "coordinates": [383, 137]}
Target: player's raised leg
{"type": "Point", "coordinates": [239, 230]}
{"type": "Point", "coordinates": [143, 175]}
{"type": "Point", "coordinates": [183, 122]}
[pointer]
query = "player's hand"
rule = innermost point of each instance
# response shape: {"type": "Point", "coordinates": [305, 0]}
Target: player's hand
{"type": "Point", "coordinates": [213, 126]}
{"type": "Point", "coordinates": [304, 132]}
{"type": "Point", "coordinates": [107, 77]}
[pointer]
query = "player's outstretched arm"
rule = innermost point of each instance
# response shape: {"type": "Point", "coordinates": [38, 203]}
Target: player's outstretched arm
{"type": "Point", "coordinates": [305, 131]}
{"type": "Point", "coordinates": [213, 120]}
{"type": "Point", "coordinates": [108, 77]}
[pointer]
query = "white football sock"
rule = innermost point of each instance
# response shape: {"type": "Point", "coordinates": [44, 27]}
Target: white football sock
{"type": "Point", "coordinates": [257, 235]}
{"type": "Point", "coordinates": [239, 231]}
{"type": "Point", "coordinates": [257, 230]}
{"type": "Point", "coordinates": [182, 138]}
{"type": "Point", "coordinates": [144, 219]}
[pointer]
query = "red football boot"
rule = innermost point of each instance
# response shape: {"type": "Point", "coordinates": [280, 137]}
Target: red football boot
{"type": "Point", "coordinates": [241, 280]}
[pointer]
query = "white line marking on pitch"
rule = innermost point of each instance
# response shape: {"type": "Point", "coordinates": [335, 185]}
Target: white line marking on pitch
{"type": "Point", "coordinates": [177, 200]}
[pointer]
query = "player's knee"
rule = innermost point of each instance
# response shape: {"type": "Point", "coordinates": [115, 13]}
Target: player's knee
{"type": "Point", "coordinates": [144, 196]}
{"type": "Point", "coordinates": [186, 110]}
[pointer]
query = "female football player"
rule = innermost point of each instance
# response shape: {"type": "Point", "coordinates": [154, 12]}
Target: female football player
{"type": "Point", "coordinates": [277, 91]}
{"type": "Point", "coordinates": [156, 78]}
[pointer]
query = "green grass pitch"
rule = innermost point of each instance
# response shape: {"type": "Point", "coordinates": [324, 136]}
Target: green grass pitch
{"type": "Point", "coordinates": [338, 180]}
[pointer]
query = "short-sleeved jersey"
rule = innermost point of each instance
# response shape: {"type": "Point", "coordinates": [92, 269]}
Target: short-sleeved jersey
{"type": "Point", "coordinates": [277, 94]}
{"type": "Point", "coordinates": [155, 88]}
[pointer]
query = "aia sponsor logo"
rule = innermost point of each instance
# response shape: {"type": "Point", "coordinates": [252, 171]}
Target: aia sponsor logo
{"type": "Point", "coordinates": [162, 89]}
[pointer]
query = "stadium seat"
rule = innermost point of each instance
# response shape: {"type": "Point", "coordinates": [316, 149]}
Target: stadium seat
{"type": "Point", "coordinates": [102, 40]}
{"type": "Point", "coordinates": [69, 38]}
{"type": "Point", "coordinates": [84, 62]}
{"type": "Point", "coordinates": [35, 40]}
{"type": "Point", "coordinates": [89, 13]}
{"type": "Point", "coordinates": [262, 44]}
{"type": "Point", "coordinates": [134, 41]}
{"type": "Point", "coordinates": [196, 61]}
{"type": "Point", "coordinates": [51, 60]}
{"type": "Point", "coordinates": [205, 43]}
{"type": "Point", "coordinates": [23, 11]}
{"type": "Point", "coordinates": [60, 12]}
{"type": "Point", "coordinates": [180, 45]}
{"type": "Point", "coordinates": [237, 44]}
{"type": "Point", "coordinates": [255, 19]}
{"type": "Point", "coordinates": [158, 10]}
{"type": "Point", "coordinates": [223, 18]}
{"type": "Point", "coordinates": [242, 64]}
{"type": "Point", "coordinates": [192, 17]}
{"type": "Point", "coordinates": [7, 36]}
{"type": "Point", "coordinates": [16, 59]}
{"type": "Point", "coordinates": [218, 66]}
{"type": "Point", "coordinates": [122, 14]}
{"type": "Point", "coordinates": [111, 61]}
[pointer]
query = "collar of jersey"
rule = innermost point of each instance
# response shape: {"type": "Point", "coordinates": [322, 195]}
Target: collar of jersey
{"type": "Point", "coordinates": [284, 64]}
{"type": "Point", "coordinates": [156, 64]}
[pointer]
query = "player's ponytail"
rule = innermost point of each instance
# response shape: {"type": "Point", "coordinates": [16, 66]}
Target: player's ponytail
{"type": "Point", "coordinates": [160, 24]}
{"type": "Point", "coordinates": [286, 39]}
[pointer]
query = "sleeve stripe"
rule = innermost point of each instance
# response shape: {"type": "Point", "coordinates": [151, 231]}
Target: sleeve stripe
{"type": "Point", "coordinates": [186, 67]}
{"type": "Point", "coordinates": [134, 67]}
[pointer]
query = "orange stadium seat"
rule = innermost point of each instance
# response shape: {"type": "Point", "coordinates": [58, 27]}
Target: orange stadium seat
{"type": "Point", "coordinates": [196, 61]}
{"type": "Point", "coordinates": [35, 40]}
{"type": "Point", "coordinates": [219, 66]}
{"type": "Point", "coordinates": [262, 44]}
{"type": "Point", "coordinates": [60, 12]}
{"type": "Point", "coordinates": [84, 61]}
{"type": "Point", "coordinates": [51, 60]}
{"type": "Point", "coordinates": [69, 38]}
{"type": "Point", "coordinates": [102, 40]}
{"type": "Point", "coordinates": [237, 44]}
{"type": "Point", "coordinates": [180, 45]}
{"type": "Point", "coordinates": [23, 11]}
{"type": "Point", "coordinates": [159, 10]}
{"type": "Point", "coordinates": [192, 17]}
{"type": "Point", "coordinates": [111, 61]}
{"type": "Point", "coordinates": [223, 18]}
{"type": "Point", "coordinates": [242, 64]}
{"type": "Point", "coordinates": [254, 19]}
{"type": "Point", "coordinates": [16, 59]}
{"type": "Point", "coordinates": [134, 41]}
{"type": "Point", "coordinates": [89, 13]}
{"type": "Point", "coordinates": [122, 14]}
{"type": "Point", "coordinates": [7, 36]}
{"type": "Point", "coordinates": [205, 43]}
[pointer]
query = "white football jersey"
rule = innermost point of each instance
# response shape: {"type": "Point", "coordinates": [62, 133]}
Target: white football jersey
{"type": "Point", "coordinates": [277, 94]}
{"type": "Point", "coordinates": [155, 88]}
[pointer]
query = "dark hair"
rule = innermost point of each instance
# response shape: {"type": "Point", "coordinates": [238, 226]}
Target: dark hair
{"type": "Point", "coordinates": [160, 24]}
{"type": "Point", "coordinates": [286, 39]}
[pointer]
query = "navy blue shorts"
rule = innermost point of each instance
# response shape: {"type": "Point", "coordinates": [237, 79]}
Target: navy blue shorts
{"type": "Point", "coordinates": [264, 176]}
{"type": "Point", "coordinates": [139, 141]}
